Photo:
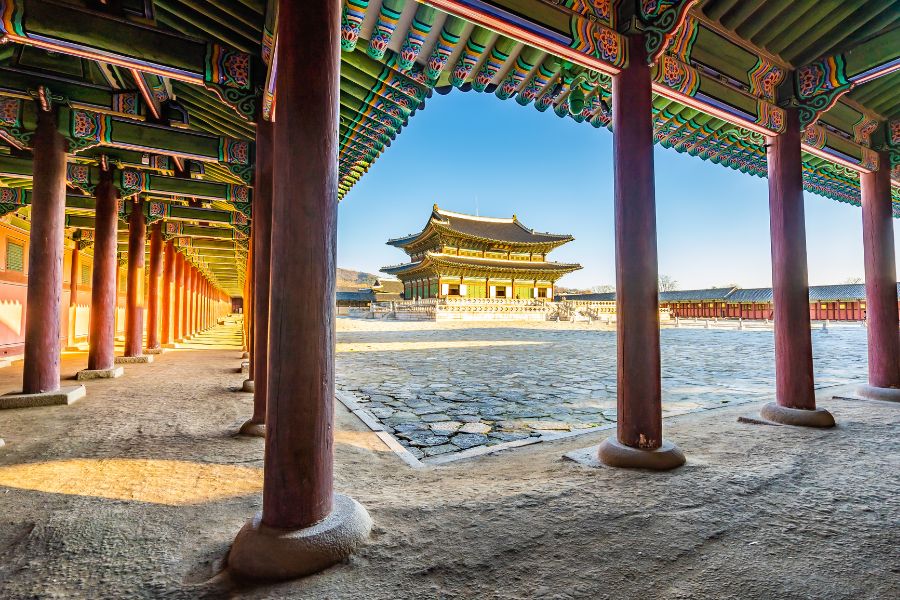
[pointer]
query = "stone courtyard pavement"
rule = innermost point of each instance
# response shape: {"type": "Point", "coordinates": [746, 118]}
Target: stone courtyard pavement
{"type": "Point", "coordinates": [441, 388]}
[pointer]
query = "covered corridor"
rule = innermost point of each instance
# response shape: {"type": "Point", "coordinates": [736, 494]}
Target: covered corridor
{"type": "Point", "coordinates": [136, 491]}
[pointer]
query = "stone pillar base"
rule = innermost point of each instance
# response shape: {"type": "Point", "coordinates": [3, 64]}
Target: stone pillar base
{"type": "Point", "coordinates": [871, 392]}
{"type": "Point", "coordinates": [799, 417]}
{"type": "Point", "coordinates": [127, 360]}
{"type": "Point", "coordinates": [260, 552]}
{"type": "Point", "coordinates": [244, 368]}
{"type": "Point", "coordinates": [64, 395]}
{"type": "Point", "coordinates": [613, 453]}
{"type": "Point", "coordinates": [154, 350]}
{"type": "Point", "coordinates": [248, 386]}
{"type": "Point", "coordinates": [112, 373]}
{"type": "Point", "coordinates": [245, 354]}
{"type": "Point", "coordinates": [253, 428]}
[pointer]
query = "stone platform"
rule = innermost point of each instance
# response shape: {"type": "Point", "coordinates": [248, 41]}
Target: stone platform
{"type": "Point", "coordinates": [62, 396]}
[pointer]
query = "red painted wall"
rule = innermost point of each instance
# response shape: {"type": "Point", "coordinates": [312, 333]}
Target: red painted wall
{"type": "Point", "coordinates": [818, 311]}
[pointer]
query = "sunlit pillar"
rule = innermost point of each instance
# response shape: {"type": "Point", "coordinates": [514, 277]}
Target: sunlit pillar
{"type": "Point", "coordinates": [153, 289]}
{"type": "Point", "coordinates": [134, 290]}
{"type": "Point", "coordinates": [45, 257]}
{"type": "Point", "coordinates": [166, 333]}
{"type": "Point", "coordinates": [104, 287]}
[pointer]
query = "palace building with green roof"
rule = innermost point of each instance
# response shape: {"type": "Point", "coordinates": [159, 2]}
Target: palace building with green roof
{"type": "Point", "coordinates": [466, 256]}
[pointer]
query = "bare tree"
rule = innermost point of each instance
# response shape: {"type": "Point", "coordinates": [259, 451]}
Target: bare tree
{"type": "Point", "coordinates": [667, 284]}
{"type": "Point", "coordinates": [854, 280]}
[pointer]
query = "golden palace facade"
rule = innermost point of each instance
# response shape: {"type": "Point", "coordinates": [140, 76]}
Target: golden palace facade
{"type": "Point", "coordinates": [466, 256]}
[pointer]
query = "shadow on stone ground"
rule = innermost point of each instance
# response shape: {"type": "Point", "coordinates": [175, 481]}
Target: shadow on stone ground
{"type": "Point", "coordinates": [138, 489]}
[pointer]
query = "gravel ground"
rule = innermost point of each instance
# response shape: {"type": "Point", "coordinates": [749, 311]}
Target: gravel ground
{"type": "Point", "coordinates": [137, 490]}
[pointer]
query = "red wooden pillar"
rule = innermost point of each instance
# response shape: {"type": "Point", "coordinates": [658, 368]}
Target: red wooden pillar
{"type": "Point", "coordinates": [881, 282]}
{"type": "Point", "coordinates": [134, 291]}
{"type": "Point", "coordinates": [166, 333]}
{"type": "Point", "coordinates": [298, 477]}
{"type": "Point", "coordinates": [153, 289]}
{"type": "Point", "coordinates": [205, 304]}
{"type": "Point", "coordinates": [104, 290]}
{"type": "Point", "coordinates": [262, 252]}
{"type": "Point", "coordinates": [192, 283]}
{"type": "Point", "coordinates": [186, 300]}
{"type": "Point", "coordinates": [178, 299]}
{"type": "Point", "coordinates": [248, 305]}
{"type": "Point", "coordinates": [45, 258]}
{"type": "Point", "coordinates": [195, 301]}
{"type": "Point", "coordinates": [639, 442]}
{"type": "Point", "coordinates": [794, 392]}
{"type": "Point", "coordinates": [198, 297]}
{"type": "Point", "coordinates": [198, 309]}
{"type": "Point", "coordinates": [74, 273]}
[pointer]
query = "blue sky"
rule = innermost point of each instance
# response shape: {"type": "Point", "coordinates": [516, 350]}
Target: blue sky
{"type": "Point", "coordinates": [468, 150]}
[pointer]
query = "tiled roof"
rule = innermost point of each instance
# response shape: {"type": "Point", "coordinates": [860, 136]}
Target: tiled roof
{"type": "Point", "coordinates": [506, 230]}
{"type": "Point", "coordinates": [602, 297]}
{"type": "Point", "coordinates": [515, 266]}
{"type": "Point", "coordinates": [695, 295]}
{"type": "Point", "coordinates": [503, 230]}
{"type": "Point", "coordinates": [750, 295]}
{"type": "Point", "coordinates": [360, 296]}
{"type": "Point", "coordinates": [847, 291]}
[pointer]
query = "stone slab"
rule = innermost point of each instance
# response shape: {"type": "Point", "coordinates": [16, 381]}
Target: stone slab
{"type": "Point", "coordinates": [62, 396]}
{"type": "Point", "coordinates": [154, 351]}
{"type": "Point", "coordinates": [86, 374]}
{"type": "Point", "coordinates": [127, 360]}
{"type": "Point", "coordinates": [400, 450]}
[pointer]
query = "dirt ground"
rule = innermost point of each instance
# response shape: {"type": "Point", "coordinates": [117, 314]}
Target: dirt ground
{"type": "Point", "coordinates": [137, 491]}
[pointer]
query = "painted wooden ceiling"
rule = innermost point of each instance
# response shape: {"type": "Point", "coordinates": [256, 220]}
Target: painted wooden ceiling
{"type": "Point", "coordinates": [723, 69]}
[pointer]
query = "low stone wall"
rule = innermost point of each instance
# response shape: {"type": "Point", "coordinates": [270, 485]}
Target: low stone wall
{"type": "Point", "coordinates": [493, 309]}
{"type": "Point", "coordinates": [488, 315]}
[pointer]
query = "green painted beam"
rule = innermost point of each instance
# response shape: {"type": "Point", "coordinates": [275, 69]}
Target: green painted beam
{"type": "Point", "coordinates": [131, 181]}
{"type": "Point", "coordinates": [69, 29]}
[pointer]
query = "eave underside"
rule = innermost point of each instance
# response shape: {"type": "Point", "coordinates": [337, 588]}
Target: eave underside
{"type": "Point", "coordinates": [714, 86]}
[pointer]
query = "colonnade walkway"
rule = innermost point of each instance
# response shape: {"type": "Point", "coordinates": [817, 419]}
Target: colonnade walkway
{"type": "Point", "coordinates": [137, 490]}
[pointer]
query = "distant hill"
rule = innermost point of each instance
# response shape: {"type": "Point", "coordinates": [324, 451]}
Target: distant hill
{"type": "Point", "coordinates": [349, 280]}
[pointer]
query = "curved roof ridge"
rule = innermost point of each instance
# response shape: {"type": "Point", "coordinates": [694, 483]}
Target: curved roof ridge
{"type": "Point", "coordinates": [449, 213]}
